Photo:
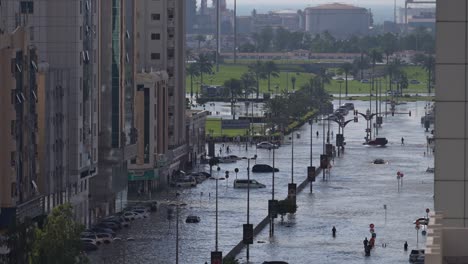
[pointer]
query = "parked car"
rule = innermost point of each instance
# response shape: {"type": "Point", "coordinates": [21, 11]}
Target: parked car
{"type": "Point", "coordinates": [120, 219]}
{"type": "Point", "coordinates": [244, 183]}
{"type": "Point", "coordinates": [104, 238]}
{"type": "Point", "coordinates": [207, 175]}
{"type": "Point", "coordinates": [364, 81]}
{"type": "Point", "coordinates": [266, 145]}
{"type": "Point", "coordinates": [275, 262]}
{"type": "Point", "coordinates": [186, 182]}
{"type": "Point", "coordinates": [349, 106]}
{"type": "Point", "coordinates": [379, 161]}
{"type": "Point", "coordinates": [415, 82]}
{"type": "Point", "coordinates": [85, 236]}
{"type": "Point", "coordinates": [192, 219]}
{"type": "Point", "coordinates": [88, 245]}
{"type": "Point", "coordinates": [415, 253]}
{"type": "Point", "coordinates": [97, 229]}
{"type": "Point", "coordinates": [129, 216]}
{"type": "Point", "coordinates": [109, 225]}
{"type": "Point", "coordinates": [263, 168]}
{"type": "Point", "coordinates": [143, 213]}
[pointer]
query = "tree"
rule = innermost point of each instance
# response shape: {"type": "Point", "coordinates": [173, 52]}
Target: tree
{"type": "Point", "coordinates": [204, 65]}
{"type": "Point", "coordinates": [20, 241]}
{"type": "Point", "coordinates": [266, 36]}
{"type": "Point", "coordinates": [286, 206]}
{"type": "Point", "coordinates": [200, 39]}
{"type": "Point", "coordinates": [429, 66]}
{"type": "Point", "coordinates": [293, 82]}
{"type": "Point", "coordinates": [234, 86]}
{"type": "Point", "coordinates": [270, 69]}
{"type": "Point", "coordinates": [346, 68]}
{"type": "Point", "coordinates": [392, 70]}
{"type": "Point", "coordinates": [59, 241]}
{"type": "Point", "coordinates": [323, 77]}
{"type": "Point", "coordinates": [192, 70]}
{"type": "Point", "coordinates": [375, 56]}
{"type": "Point", "coordinates": [258, 70]}
{"type": "Point", "coordinates": [360, 64]}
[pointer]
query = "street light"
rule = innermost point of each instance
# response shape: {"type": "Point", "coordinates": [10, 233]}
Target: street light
{"type": "Point", "coordinates": [248, 228]}
{"type": "Point", "coordinates": [340, 81]}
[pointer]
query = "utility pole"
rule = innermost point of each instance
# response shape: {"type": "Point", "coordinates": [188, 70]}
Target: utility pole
{"type": "Point", "coordinates": [235, 31]}
{"type": "Point", "coordinates": [218, 34]}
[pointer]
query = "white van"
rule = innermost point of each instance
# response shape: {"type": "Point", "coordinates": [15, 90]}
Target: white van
{"type": "Point", "coordinates": [244, 183]}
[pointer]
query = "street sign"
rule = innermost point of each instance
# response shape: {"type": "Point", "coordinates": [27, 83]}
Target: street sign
{"type": "Point", "coordinates": [385, 207]}
{"type": "Point", "coordinates": [216, 257]}
{"type": "Point", "coordinates": [371, 225]}
{"type": "Point", "coordinates": [329, 150]}
{"type": "Point", "coordinates": [273, 208]}
{"type": "Point", "coordinates": [427, 210]}
{"type": "Point", "coordinates": [311, 173]}
{"type": "Point", "coordinates": [323, 161]}
{"type": "Point", "coordinates": [339, 140]}
{"type": "Point", "coordinates": [292, 192]}
{"type": "Point", "coordinates": [247, 235]}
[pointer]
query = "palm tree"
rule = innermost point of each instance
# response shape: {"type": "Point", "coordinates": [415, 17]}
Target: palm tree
{"type": "Point", "coordinates": [375, 56]}
{"type": "Point", "coordinates": [200, 39]}
{"type": "Point", "coordinates": [346, 68]}
{"type": "Point", "coordinates": [192, 70]}
{"type": "Point", "coordinates": [293, 82]}
{"type": "Point", "coordinates": [205, 65]}
{"type": "Point", "coordinates": [392, 70]}
{"type": "Point", "coordinates": [258, 70]}
{"type": "Point", "coordinates": [323, 78]}
{"type": "Point", "coordinates": [429, 65]}
{"type": "Point", "coordinates": [234, 86]}
{"type": "Point", "coordinates": [271, 69]}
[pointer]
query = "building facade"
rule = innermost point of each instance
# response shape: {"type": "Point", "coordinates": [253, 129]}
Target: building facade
{"type": "Point", "coordinates": [20, 194]}
{"type": "Point", "coordinates": [161, 47]}
{"type": "Point", "coordinates": [340, 20]}
{"type": "Point", "coordinates": [64, 32]}
{"type": "Point", "coordinates": [448, 227]}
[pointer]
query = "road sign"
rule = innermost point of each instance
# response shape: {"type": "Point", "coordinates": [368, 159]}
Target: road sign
{"type": "Point", "coordinates": [216, 257]}
{"type": "Point", "coordinates": [427, 210]}
{"type": "Point", "coordinates": [371, 225]}
{"type": "Point", "coordinates": [311, 173]}
{"type": "Point", "coordinates": [417, 227]}
{"type": "Point", "coordinates": [247, 237]}
{"type": "Point", "coordinates": [273, 208]}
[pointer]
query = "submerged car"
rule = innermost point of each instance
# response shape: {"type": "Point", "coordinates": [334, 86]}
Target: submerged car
{"type": "Point", "coordinates": [263, 168]}
{"type": "Point", "coordinates": [244, 183]}
{"type": "Point", "coordinates": [192, 219]}
{"type": "Point", "coordinates": [415, 254]}
{"type": "Point", "coordinates": [266, 145]}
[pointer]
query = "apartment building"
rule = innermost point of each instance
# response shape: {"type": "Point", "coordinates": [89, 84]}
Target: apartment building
{"type": "Point", "coordinates": [116, 131]}
{"type": "Point", "coordinates": [161, 47]}
{"type": "Point", "coordinates": [448, 227]}
{"type": "Point", "coordinates": [151, 115]}
{"type": "Point", "coordinates": [65, 35]}
{"type": "Point", "coordinates": [21, 79]}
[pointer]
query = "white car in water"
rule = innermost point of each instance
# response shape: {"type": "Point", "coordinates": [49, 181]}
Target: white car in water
{"type": "Point", "coordinates": [266, 145]}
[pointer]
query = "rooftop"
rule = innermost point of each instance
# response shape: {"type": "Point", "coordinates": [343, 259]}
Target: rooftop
{"type": "Point", "coordinates": [335, 6]}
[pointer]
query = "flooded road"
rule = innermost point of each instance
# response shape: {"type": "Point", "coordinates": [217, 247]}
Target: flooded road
{"type": "Point", "coordinates": [351, 199]}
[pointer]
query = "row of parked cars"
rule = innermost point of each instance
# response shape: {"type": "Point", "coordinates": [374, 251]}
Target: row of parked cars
{"type": "Point", "coordinates": [104, 232]}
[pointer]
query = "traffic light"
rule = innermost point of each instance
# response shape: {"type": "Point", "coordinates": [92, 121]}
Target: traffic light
{"type": "Point", "coordinates": [311, 173]}
{"type": "Point", "coordinates": [339, 140]}
{"type": "Point", "coordinates": [247, 237]}
{"type": "Point", "coordinates": [356, 119]}
{"type": "Point", "coordinates": [216, 257]}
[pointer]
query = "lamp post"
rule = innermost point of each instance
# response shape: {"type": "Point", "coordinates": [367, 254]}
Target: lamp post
{"type": "Point", "coordinates": [248, 228]}
{"type": "Point", "coordinates": [311, 136]}
{"type": "Point", "coordinates": [272, 223]}
{"type": "Point", "coordinates": [292, 157]}
{"type": "Point", "coordinates": [216, 230]}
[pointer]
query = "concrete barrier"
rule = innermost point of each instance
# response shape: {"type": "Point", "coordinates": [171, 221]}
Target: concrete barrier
{"type": "Point", "coordinates": [259, 227]}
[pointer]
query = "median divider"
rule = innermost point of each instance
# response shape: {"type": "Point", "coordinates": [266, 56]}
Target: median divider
{"type": "Point", "coordinates": [259, 227]}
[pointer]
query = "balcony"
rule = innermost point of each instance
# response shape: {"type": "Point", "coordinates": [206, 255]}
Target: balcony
{"type": "Point", "coordinates": [30, 209]}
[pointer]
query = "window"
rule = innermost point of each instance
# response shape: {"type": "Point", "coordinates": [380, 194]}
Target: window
{"type": "Point", "coordinates": [156, 16]}
{"type": "Point", "coordinates": [155, 36]}
{"type": "Point", "coordinates": [81, 156]}
{"type": "Point", "coordinates": [27, 7]}
{"type": "Point", "coordinates": [12, 158]}
{"type": "Point", "coordinates": [13, 127]}
{"type": "Point", "coordinates": [155, 56]}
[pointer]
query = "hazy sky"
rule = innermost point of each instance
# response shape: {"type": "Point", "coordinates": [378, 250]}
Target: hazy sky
{"type": "Point", "coordinates": [314, 2]}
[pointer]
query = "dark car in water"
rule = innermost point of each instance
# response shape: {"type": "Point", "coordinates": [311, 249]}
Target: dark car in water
{"type": "Point", "coordinates": [263, 168]}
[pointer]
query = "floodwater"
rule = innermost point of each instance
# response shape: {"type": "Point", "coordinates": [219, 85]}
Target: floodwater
{"type": "Point", "coordinates": [353, 197]}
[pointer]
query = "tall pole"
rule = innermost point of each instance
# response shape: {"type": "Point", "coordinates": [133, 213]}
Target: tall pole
{"type": "Point", "coordinates": [235, 31]}
{"type": "Point", "coordinates": [292, 157]}
{"type": "Point", "coordinates": [323, 140]}
{"type": "Point", "coordinates": [377, 108]}
{"type": "Point", "coordinates": [216, 229]}
{"type": "Point", "coordinates": [248, 202]}
{"type": "Point", "coordinates": [311, 162]}
{"type": "Point", "coordinates": [218, 34]}
{"type": "Point", "coordinates": [272, 220]}
{"type": "Point", "coordinates": [177, 234]}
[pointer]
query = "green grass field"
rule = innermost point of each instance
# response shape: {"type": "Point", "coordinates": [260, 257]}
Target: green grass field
{"type": "Point", "coordinates": [227, 71]}
{"type": "Point", "coordinates": [213, 126]}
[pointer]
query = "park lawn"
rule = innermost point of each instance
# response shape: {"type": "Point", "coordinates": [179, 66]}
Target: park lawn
{"type": "Point", "coordinates": [227, 72]}
{"type": "Point", "coordinates": [214, 125]}
{"type": "Point", "coordinates": [283, 82]}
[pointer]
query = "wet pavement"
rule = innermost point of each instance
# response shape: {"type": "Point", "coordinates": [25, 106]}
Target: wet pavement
{"type": "Point", "coordinates": [351, 199]}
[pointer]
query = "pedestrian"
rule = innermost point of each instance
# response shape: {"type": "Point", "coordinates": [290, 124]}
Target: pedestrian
{"type": "Point", "coordinates": [405, 246]}
{"type": "Point", "coordinates": [227, 149]}
{"type": "Point", "coordinates": [367, 250]}
{"type": "Point", "coordinates": [332, 133]}
{"type": "Point", "coordinates": [317, 133]}
{"type": "Point", "coordinates": [334, 231]}
{"type": "Point", "coordinates": [365, 242]}
{"type": "Point", "coordinates": [402, 141]}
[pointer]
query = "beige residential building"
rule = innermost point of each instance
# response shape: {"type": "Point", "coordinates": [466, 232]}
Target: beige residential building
{"type": "Point", "coordinates": [21, 78]}
{"type": "Point", "coordinates": [448, 227]}
{"type": "Point", "coordinates": [152, 125]}
{"type": "Point", "coordinates": [65, 35]}
{"type": "Point", "coordinates": [161, 47]}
